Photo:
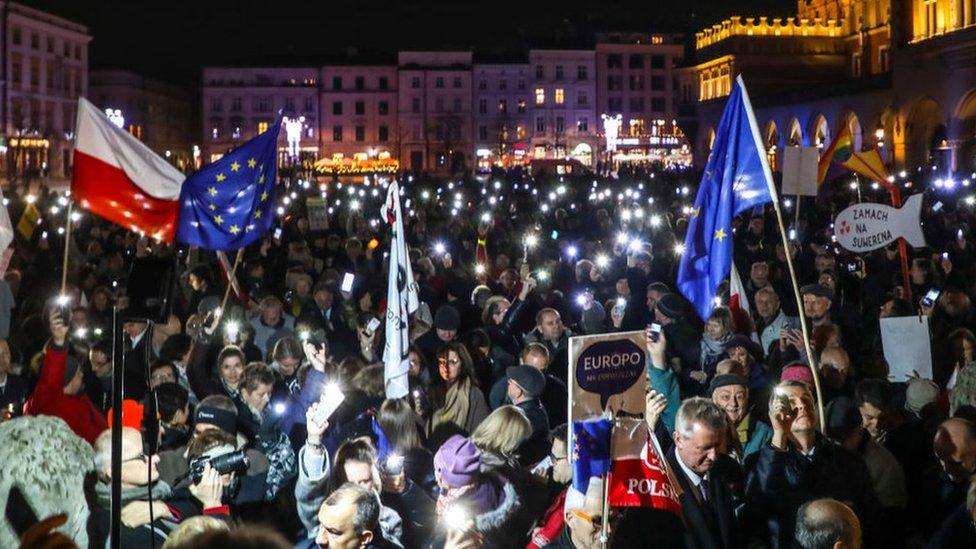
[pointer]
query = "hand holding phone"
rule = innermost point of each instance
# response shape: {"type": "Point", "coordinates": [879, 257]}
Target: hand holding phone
{"type": "Point", "coordinates": [329, 402]}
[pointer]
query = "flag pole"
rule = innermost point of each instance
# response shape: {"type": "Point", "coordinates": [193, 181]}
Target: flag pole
{"type": "Point", "coordinates": [230, 277]}
{"type": "Point", "coordinates": [605, 527]}
{"type": "Point", "coordinates": [67, 244]}
{"type": "Point", "coordinates": [789, 257]}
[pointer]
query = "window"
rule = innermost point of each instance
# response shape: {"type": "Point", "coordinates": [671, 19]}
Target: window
{"type": "Point", "coordinates": [360, 133]}
{"type": "Point", "coordinates": [337, 133]}
{"type": "Point", "coordinates": [337, 107]}
{"type": "Point", "coordinates": [636, 82]}
{"type": "Point", "coordinates": [636, 104]}
{"type": "Point", "coordinates": [415, 104]}
{"type": "Point", "coordinates": [17, 36]}
{"type": "Point", "coordinates": [262, 104]}
{"type": "Point", "coordinates": [614, 61]}
{"type": "Point", "coordinates": [521, 84]}
{"type": "Point", "coordinates": [77, 51]}
{"type": "Point", "coordinates": [503, 106]}
{"type": "Point", "coordinates": [581, 98]}
{"type": "Point", "coordinates": [636, 61]}
{"type": "Point", "coordinates": [67, 50]}
{"type": "Point", "coordinates": [383, 135]}
{"type": "Point", "coordinates": [521, 105]}
{"type": "Point", "coordinates": [457, 81]}
{"type": "Point", "coordinates": [520, 132]}
{"type": "Point", "coordinates": [415, 82]}
{"type": "Point", "coordinates": [615, 104]}
{"type": "Point", "coordinates": [614, 82]}
{"type": "Point", "coordinates": [216, 105]}
{"type": "Point", "coordinates": [309, 104]}
{"type": "Point", "coordinates": [482, 106]}
{"type": "Point", "coordinates": [560, 125]}
{"type": "Point", "coordinates": [540, 72]}
{"type": "Point", "coordinates": [482, 84]}
{"type": "Point", "coordinates": [540, 96]}
{"type": "Point", "coordinates": [657, 104]}
{"type": "Point", "coordinates": [439, 82]}
{"type": "Point", "coordinates": [503, 84]}
{"type": "Point", "coordinates": [35, 73]}
{"type": "Point", "coordinates": [559, 72]}
{"type": "Point", "coordinates": [657, 83]}
{"type": "Point", "coordinates": [560, 96]}
{"type": "Point", "coordinates": [483, 133]}
{"type": "Point", "coordinates": [16, 68]}
{"type": "Point", "coordinates": [360, 107]}
{"type": "Point", "coordinates": [336, 82]}
{"type": "Point", "coordinates": [262, 127]}
{"type": "Point", "coordinates": [657, 61]}
{"type": "Point", "coordinates": [384, 83]}
{"type": "Point", "coordinates": [384, 107]}
{"type": "Point", "coordinates": [856, 64]}
{"type": "Point", "coordinates": [582, 125]}
{"type": "Point", "coordinates": [236, 104]}
{"type": "Point", "coordinates": [581, 72]}
{"type": "Point", "coordinates": [457, 104]}
{"type": "Point", "coordinates": [883, 62]}
{"type": "Point", "coordinates": [439, 104]}
{"type": "Point", "coordinates": [540, 124]}
{"type": "Point", "coordinates": [360, 83]}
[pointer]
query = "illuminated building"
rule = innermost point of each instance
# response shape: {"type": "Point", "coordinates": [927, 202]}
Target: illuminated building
{"type": "Point", "coordinates": [45, 64]}
{"type": "Point", "coordinates": [563, 105]}
{"type": "Point", "coordinates": [900, 72]}
{"type": "Point", "coordinates": [161, 115]}
{"type": "Point", "coordinates": [240, 103]}
{"type": "Point", "coordinates": [502, 107]}
{"type": "Point", "coordinates": [359, 115]}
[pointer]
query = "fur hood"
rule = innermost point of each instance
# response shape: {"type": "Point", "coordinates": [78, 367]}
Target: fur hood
{"type": "Point", "coordinates": [509, 504]}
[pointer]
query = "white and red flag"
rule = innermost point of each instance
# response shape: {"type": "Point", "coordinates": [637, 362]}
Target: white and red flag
{"type": "Point", "coordinates": [119, 178]}
{"type": "Point", "coordinates": [640, 475]}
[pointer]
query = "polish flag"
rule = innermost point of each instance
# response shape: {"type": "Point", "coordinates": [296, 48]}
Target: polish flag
{"type": "Point", "coordinates": [120, 179]}
{"type": "Point", "coordinates": [737, 292]}
{"type": "Point", "coordinates": [640, 475]}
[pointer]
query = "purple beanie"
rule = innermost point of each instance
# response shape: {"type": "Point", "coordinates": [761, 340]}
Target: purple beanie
{"type": "Point", "coordinates": [457, 462]}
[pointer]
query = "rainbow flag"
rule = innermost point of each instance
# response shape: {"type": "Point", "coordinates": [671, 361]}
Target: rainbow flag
{"type": "Point", "coordinates": [838, 152]}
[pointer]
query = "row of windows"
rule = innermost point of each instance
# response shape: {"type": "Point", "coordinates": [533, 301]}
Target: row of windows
{"type": "Point", "coordinates": [359, 83]}
{"type": "Point", "coordinates": [50, 44]}
{"type": "Point", "coordinates": [22, 108]}
{"type": "Point", "coordinates": [439, 105]}
{"type": "Point", "coordinates": [635, 61]}
{"type": "Point", "coordinates": [636, 104]}
{"type": "Point", "coordinates": [216, 129]}
{"type": "Point", "coordinates": [260, 104]}
{"type": "Point", "coordinates": [359, 133]}
{"type": "Point", "coordinates": [635, 82]}
{"type": "Point", "coordinates": [582, 125]}
{"type": "Point", "coordinates": [438, 82]}
{"type": "Point", "coordinates": [57, 77]}
{"type": "Point", "coordinates": [559, 97]}
{"type": "Point", "coordinates": [582, 73]}
{"type": "Point", "coordinates": [359, 107]}
{"type": "Point", "coordinates": [502, 106]}
{"type": "Point", "coordinates": [502, 84]}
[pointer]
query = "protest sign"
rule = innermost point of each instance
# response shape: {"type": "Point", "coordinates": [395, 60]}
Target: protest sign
{"type": "Point", "coordinates": [907, 348]}
{"type": "Point", "coordinates": [318, 213]}
{"type": "Point", "coordinates": [869, 226]}
{"type": "Point", "coordinates": [607, 372]}
{"type": "Point", "coordinates": [800, 171]}
{"type": "Point", "coordinates": [639, 475]}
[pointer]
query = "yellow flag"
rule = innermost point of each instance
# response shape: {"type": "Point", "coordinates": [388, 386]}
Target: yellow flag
{"type": "Point", "coordinates": [28, 221]}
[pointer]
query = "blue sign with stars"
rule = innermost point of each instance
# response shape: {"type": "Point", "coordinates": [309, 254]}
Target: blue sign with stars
{"type": "Point", "coordinates": [230, 203]}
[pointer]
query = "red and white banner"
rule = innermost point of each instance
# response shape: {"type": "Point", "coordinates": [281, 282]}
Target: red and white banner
{"type": "Point", "coordinates": [640, 475]}
{"type": "Point", "coordinates": [737, 292]}
{"type": "Point", "coordinates": [120, 179]}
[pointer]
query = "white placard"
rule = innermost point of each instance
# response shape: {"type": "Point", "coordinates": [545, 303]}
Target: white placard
{"type": "Point", "coordinates": [318, 214]}
{"type": "Point", "coordinates": [907, 348]}
{"type": "Point", "coordinates": [800, 171]}
{"type": "Point", "coordinates": [868, 226]}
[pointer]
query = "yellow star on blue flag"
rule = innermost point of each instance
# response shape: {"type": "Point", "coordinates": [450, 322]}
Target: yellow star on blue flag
{"type": "Point", "coordinates": [212, 217]}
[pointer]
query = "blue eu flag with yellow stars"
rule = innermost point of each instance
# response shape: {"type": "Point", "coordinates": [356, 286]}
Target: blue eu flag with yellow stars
{"type": "Point", "coordinates": [591, 451]}
{"type": "Point", "coordinates": [736, 178]}
{"type": "Point", "coordinates": [229, 203]}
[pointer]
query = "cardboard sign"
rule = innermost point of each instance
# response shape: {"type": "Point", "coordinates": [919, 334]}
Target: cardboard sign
{"type": "Point", "coordinates": [800, 171]}
{"type": "Point", "coordinates": [868, 226]}
{"type": "Point", "coordinates": [907, 347]}
{"type": "Point", "coordinates": [318, 214]}
{"type": "Point", "coordinates": [607, 372]}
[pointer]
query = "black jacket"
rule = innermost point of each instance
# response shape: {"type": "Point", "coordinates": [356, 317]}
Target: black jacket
{"type": "Point", "coordinates": [779, 482]}
{"type": "Point", "coordinates": [16, 391]}
{"type": "Point", "coordinates": [536, 447]}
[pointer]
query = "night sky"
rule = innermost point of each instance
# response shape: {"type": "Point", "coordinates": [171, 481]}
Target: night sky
{"type": "Point", "coordinates": [172, 40]}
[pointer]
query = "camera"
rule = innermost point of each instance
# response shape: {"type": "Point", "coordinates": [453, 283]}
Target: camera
{"type": "Point", "coordinates": [225, 463]}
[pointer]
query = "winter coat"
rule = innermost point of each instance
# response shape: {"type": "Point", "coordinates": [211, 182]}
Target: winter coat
{"type": "Point", "coordinates": [49, 399]}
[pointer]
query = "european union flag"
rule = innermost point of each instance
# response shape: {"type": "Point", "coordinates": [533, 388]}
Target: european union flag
{"type": "Point", "coordinates": [230, 203]}
{"type": "Point", "coordinates": [591, 451]}
{"type": "Point", "coordinates": [736, 178]}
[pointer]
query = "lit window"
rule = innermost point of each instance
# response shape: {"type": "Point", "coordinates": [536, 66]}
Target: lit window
{"type": "Point", "coordinates": [262, 127]}
{"type": "Point", "coordinates": [214, 133]}
{"type": "Point", "coordinates": [560, 96]}
{"type": "Point", "coordinates": [540, 96]}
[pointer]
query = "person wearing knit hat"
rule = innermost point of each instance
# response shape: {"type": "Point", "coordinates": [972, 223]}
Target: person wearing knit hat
{"type": "Point", "coordinates": [456, 463]}
{"type": "Point", "coordinates": [817, 299]}
{"type": "Point", "coordinates": [747, 433]}
{"type": "Point", "coordinates": [671, 306]}
{"type": "Point", "coordinates": [447, 320]}
{"type": "Point", "coordinates": [797, 371]}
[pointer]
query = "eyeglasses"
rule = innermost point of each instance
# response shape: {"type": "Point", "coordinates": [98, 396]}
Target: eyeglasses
{"type": "Point", "coordinates": [452, 362]}
{"type": "Point", "coordinates": [141, 457]}
{"type": "Point", "coordinates": [556, 459]}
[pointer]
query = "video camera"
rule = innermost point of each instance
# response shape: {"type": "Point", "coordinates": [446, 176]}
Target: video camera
{"type": "Point", "coordinates": [223, 464]}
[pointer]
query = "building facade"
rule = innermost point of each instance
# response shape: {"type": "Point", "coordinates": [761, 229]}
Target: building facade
{"type": "Point", "coordinates": [502, 115]}
{"type": "Point", "coordinates": [162, 115]}
{"type": "Point", "coordinates": [898, 72]}
{"type": "Point", "coordinates": [563, 98]}
{"type": "Point", "coordinates": [240, 103]}
{"type": "Point", "coordinates": [45, 70]}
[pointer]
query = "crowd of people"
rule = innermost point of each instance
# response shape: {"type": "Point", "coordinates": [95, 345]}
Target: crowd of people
{"type": "Point", "coordinates": [257, 416]}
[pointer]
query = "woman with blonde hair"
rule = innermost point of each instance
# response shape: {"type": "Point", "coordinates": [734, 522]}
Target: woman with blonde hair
{"type": "Point", "coordinates": [459, 405]}
{"type": "Point", "coordinates": [502, 431]}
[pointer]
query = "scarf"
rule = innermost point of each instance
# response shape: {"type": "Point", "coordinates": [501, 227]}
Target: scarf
{"type": "Point", "coordinates": [712, 348]}
{"type": "Point", "coordinates": [455, 409]}
{"type": "Point", "coordinates": [103, 493]}
{"type": "Point", "coordinates": [449, 496]}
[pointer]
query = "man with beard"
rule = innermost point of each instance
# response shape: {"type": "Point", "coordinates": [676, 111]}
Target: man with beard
{"type": "Point", "coordinates": [817, 300]}
{"type": "Point", "coordinates": [798, 465]}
